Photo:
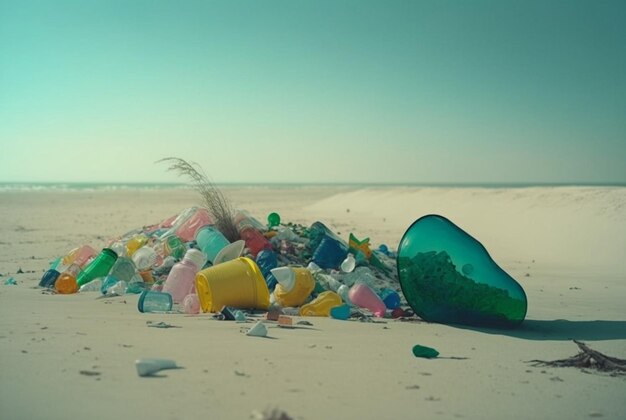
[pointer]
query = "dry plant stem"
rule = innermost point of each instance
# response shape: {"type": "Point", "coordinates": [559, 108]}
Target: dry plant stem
{"type": "Point", "coordinates": [588, 358]}
{"type": "Point", "coordinates": [214, 201]}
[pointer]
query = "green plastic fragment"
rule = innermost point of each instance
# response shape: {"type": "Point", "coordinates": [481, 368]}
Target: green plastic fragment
{"type": "Point", "coordinates": [424, 352]}
{"type": "Point", "coordinates": [273, 219]}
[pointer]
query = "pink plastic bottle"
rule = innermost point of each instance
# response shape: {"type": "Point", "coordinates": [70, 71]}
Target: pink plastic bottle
{"type": "Point", "coordinates": [362, 295]}
{"type": "Point", "coordinates": [181, 280]}
{"type": "Point", "coordinates": [187, 230]}
{"type": "Point", "coordinates": [80, 256]}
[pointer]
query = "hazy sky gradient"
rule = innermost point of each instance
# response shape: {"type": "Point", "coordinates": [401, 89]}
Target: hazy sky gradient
{"type": "Point", "coordinates": [318, 91]}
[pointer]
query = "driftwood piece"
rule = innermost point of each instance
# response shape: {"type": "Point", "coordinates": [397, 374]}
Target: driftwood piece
{"type": "Point", "coordinates": [588, 358]}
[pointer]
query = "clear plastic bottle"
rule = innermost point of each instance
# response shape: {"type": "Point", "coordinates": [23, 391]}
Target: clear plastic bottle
{"type": "Point", "coordinates": [135, 243]}
{"type": "Point", "coordinates": [181, 280]}
{"type": "Point", "coordinates": [123, 269]}
{"type": "Point", "coordinates": [145, 258]}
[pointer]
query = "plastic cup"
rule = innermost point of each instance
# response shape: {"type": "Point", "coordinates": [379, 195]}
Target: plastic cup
{"type": "Point", "coordinates": [150, 301]}
{"type": "Point", "coordinates": [238, 283]}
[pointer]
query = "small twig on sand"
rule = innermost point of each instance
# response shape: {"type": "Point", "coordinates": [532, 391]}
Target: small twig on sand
{"type": "Point", "coordinates": [588, 358]}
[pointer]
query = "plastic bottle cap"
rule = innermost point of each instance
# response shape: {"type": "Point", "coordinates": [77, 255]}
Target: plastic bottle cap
{"type": "Point", "coordinates": [197, 257]}
{"type": "Point", "coordinates": [285, 276]}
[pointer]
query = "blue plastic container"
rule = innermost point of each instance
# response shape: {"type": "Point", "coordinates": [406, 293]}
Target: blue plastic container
{"type": "Point", "coordinates": [49, 278]}
{"type": "Point", "coordinates": [390, 297]}
{"type": "Point", "coordinates": [267, 260]}
{"type": "Point", "coordinates": [330, 253]}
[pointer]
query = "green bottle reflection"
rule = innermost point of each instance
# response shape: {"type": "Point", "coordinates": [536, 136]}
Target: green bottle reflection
{"type": "Point", "coordinates": [447, 276]}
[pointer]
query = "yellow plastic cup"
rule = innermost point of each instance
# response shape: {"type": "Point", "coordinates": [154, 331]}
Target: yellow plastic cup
{"type": "Point", "coordinates": [237, 283]}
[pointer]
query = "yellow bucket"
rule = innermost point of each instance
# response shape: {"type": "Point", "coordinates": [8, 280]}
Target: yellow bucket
{"type": "Point", "coordinates": [237, 283]}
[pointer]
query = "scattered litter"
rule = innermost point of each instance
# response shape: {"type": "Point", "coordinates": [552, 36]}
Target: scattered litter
{"type": "Point", "coordinates": [271, 414]}
{"type": "Point", "coordinates": [240, 317]}
{"type": "Point", "coordinates": [160, 325]}
{"type": "Point", "coordinates": [425, 352]}
{"type": "Point", "coordinates": [258, 330]}
{"type": "Point", "coordinates": [285, 321]}
{"type": "Point", "coordinates": [588, 359]}
{"type": "Point", "coordinates": [148, 367]}
{"type": "Point", "coordinates": [10, 282]}
{"type": "Point", "coordinates": [90, 373]}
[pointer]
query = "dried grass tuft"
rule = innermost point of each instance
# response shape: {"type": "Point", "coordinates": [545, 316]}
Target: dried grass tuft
{"type": "Point", "coordinates": [213, 199]}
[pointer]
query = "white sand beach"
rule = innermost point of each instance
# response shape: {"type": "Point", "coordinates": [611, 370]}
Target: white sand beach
{"type": "Point", "coordinates": [566, 246]}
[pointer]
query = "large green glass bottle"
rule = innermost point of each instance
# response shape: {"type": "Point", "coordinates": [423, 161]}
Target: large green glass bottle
{"type": "Point", "coordinates": [447, 276]}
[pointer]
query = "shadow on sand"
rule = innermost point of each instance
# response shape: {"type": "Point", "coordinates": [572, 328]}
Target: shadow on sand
{"type": "Point", "coordinates": [561, 329]}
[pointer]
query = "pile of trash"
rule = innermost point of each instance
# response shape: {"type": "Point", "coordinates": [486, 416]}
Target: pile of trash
{"type": "Point", "coordinates": [186, 264]}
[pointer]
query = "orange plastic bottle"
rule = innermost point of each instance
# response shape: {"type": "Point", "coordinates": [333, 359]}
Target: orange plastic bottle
{"type": "Point", "coordinates": [66, 283]}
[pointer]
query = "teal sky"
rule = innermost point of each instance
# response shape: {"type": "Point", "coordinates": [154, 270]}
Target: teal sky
{"type": "Point", "coordinates": [319, 91]}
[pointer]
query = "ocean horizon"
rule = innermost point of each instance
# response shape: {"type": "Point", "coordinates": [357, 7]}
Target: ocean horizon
{"type": "Point", "coordinates": [114, 186]}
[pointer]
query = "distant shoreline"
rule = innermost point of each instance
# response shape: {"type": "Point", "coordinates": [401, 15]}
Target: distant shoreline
{"type": "Point", "coordinates": [115, 186]}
